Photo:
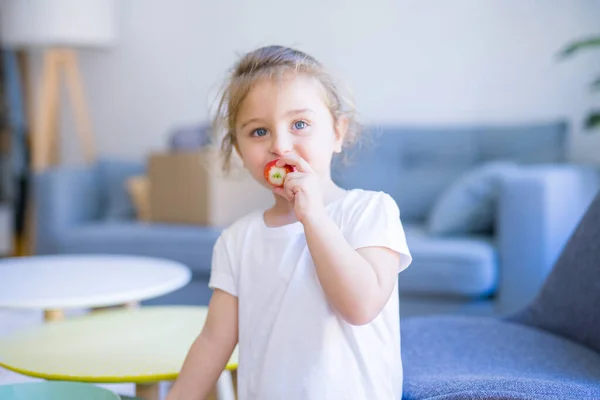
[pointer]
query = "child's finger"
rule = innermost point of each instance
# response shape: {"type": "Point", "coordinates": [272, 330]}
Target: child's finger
{"type": "Point", "coordinates": [294, 182]}
{"type": "Point", "coordinates": [296, 161]}
{"type": "Point", "coordinates": [280, 191]}
{"type": "Point", "coordinates": [284, 192]}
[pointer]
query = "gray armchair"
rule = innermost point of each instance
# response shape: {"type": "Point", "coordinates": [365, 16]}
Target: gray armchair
{"type": "Point", "coordinates": [549, 350]}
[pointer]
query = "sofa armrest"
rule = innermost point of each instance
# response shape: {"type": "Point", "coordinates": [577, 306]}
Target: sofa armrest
{"type": "Point", "coordinates": [64, 197]}
{"type": "Point", "coordinates": [538, 211]}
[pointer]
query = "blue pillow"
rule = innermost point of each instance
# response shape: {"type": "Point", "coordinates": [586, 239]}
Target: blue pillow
{"type": "Point", "coordinates": [114, 175]}
{"type": "Point", "coordinates": [469, 204]}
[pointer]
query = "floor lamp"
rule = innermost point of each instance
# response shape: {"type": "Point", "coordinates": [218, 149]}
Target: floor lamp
{"type": "Point", "coordinates": [57, 29]}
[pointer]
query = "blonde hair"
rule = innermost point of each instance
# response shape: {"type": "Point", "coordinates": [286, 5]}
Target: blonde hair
{"type": "Point", "coordinates": [269, 62]}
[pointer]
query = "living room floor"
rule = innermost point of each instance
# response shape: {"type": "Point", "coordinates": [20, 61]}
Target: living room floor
{"type": "Point", "coordinates": [14, 320]}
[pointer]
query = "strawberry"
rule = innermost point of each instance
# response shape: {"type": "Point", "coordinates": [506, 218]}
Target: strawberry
{"type": "Point", "coordinates": [276, 175]}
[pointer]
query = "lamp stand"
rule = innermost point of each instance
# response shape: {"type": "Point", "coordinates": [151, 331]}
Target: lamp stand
{"type": "Point", "coordinates": [44, 139]}
{"type": "Point", "coordinates": [45, 143]}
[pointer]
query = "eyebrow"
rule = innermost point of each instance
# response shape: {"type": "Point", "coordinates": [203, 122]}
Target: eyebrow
{"type": "Point", "coordinates": [251, 120]}
{"type": "Point", "coordinates": [291, 112]}
{"type": "Point", "coordinates": [300, 111]}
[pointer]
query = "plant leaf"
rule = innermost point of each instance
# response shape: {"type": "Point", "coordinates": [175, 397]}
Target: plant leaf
{"type": "Point", "coordinates": [593, 120]}
{"type": "Point", "coordinates": [579, 45]}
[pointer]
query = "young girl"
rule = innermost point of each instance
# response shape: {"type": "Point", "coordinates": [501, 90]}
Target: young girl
{"type": "Point", "coordinates": [307, 288]}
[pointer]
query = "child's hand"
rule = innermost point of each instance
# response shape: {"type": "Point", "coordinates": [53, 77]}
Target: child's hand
{"type": "Point", "coordinates": [302, 188]}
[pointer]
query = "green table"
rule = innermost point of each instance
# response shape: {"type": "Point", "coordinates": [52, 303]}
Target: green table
{"type": "Point", "coordinates": [142, 346]}
{"type": "Point", "coordinates": [55, 391]}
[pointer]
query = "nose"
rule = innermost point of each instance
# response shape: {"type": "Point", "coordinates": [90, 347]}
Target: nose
{"type": "Point", "coordinates": [281, 143]}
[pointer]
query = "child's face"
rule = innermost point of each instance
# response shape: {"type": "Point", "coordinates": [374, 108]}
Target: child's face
{"type": "Point", "coordinates": [288, 117]}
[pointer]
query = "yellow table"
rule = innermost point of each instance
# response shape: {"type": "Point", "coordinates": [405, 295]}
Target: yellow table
{"type": "Point", "coordinates": [142, 346]}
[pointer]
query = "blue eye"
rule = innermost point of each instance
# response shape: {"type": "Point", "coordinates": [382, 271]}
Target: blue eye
{"type": "Point", "coordinates": [259, 132]}
{"type": "Point", "coordinates": [300, 124]}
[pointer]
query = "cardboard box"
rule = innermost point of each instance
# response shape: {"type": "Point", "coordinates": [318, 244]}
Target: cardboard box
{"type": "Point", "coordinates": [190, 188]}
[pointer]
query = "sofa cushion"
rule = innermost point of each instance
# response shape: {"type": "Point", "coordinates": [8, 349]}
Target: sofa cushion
{"type": "Point", "coordinates": [468, 205]}
{"type": "Point", "coordinates": [114, 174]}
{"type": "Point", "coordinates": [191, 245]}
{"type": "Point", "coordinates": [414, 164]}
{"type": "Point", "coordinates": [456, 266]}
{"type": "Point", "coordinates": [483, 358]}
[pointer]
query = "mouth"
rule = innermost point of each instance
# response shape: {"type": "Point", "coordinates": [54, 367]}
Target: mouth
{"type": "Point", "coordinates": [275, 175]}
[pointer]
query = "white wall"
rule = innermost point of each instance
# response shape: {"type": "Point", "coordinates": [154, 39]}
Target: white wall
{"type": "Point", "coordinates": [420, 61]}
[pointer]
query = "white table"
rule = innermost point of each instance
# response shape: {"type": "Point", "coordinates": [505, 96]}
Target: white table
{"type": "Point", "coordinates": [57, 282]}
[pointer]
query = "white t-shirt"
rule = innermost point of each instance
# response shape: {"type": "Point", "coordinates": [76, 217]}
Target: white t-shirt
{"type": "Point", "coordinates": [292, 344]}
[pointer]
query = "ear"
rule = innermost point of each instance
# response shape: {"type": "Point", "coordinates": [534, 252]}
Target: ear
{"type": "Point", "coordinates": [341, 129]}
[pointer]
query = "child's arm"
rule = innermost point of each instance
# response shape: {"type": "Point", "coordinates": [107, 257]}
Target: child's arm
{"type": "Point", "coordinates": [357, 283]}
{"type": "Point", "coordinates": [210, 352]}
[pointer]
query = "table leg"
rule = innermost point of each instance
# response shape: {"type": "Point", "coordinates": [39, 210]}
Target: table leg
{"type": "Point", "coordinates": [132, 305]}
{"type": "Point", "coordinates": [234, 381]}
{"type": "Point", "coordinates": [225, 388]}
{"type": "Point", "coordinates": [54, 315]}
{"type": "Point", "coordinates": [129, 306]}
{"type": "Point", "coordinates": [148, 391]}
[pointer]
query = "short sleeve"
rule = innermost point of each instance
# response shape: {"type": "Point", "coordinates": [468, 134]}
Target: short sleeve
{"type": "Point", "coordinates": [375, 222]}
{"type": "Point", "coordinates": [221, 274]}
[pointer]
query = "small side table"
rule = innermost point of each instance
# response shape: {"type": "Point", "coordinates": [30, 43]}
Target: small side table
{"type": "Point", "coordinates": [57, 282]}
{"type": "Point", "coordinates": [142, 346]}
{"type": "Point", "coordinates": [55, 391]}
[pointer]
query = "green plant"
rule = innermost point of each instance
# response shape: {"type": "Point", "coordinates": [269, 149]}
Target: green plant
{"type": "Point", "coordinates": [593, 118]}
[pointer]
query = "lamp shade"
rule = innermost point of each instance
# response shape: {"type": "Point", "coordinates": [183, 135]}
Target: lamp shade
{"type": "Point", "coordinates": [57, 23]}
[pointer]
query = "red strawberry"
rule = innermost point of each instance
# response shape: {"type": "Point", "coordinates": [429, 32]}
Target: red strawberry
{"type": "Point", "coordinates": [276, 175]}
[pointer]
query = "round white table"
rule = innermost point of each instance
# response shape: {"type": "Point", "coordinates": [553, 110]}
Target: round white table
{"type": "Point", "coordinates": [56, 282]}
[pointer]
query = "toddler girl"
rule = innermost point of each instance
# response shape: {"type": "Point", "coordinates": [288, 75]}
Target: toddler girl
{"type": "Point", "coordinates": [308, 287]}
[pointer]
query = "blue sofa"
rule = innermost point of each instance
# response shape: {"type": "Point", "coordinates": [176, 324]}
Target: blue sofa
{"type": "Point", "coordinates": [534, 207]}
